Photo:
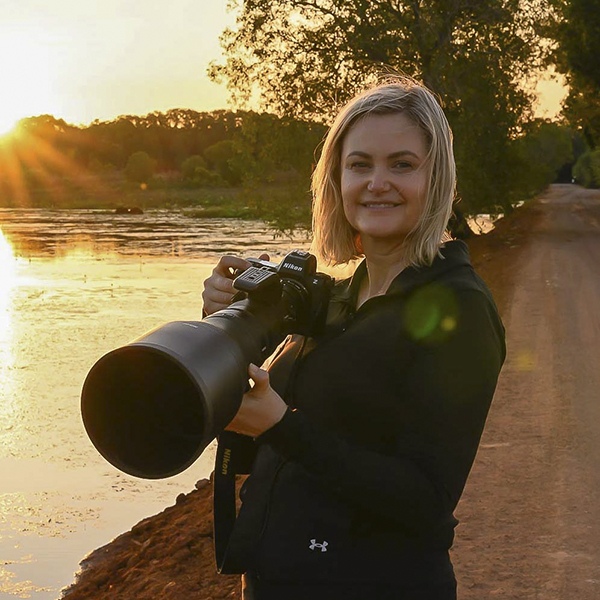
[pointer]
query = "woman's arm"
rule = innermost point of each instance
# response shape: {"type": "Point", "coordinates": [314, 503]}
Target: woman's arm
{"type": "Point", "coordinates": [422, 479]}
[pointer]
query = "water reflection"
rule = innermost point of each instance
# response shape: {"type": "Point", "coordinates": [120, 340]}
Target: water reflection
{"type": "Point", "coordinates": [8, 281]}
{"type": "Point", "coordinates": [163, 233]}
{"type": "Point", "coordinates": [8, 277]}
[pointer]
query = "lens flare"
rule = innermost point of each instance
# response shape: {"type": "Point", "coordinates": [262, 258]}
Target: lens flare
{"type": "Point", "coordinates": [431, 314]}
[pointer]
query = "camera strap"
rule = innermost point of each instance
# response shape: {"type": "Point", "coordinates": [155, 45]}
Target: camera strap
{"type": "Point", "coordinates": [235, 456]}
{"type": "Point", "coordinates": [231, 450]}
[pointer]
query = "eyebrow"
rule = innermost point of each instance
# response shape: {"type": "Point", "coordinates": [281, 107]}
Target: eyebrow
{"type": "Point", "coordinates": [398, 154]}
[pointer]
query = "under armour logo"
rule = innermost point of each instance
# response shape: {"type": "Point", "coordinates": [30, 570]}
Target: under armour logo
{"type": "Point", "coordinates": [314, 545]}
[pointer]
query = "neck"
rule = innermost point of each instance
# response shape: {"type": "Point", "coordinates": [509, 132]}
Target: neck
{"type": "Point", "coordinates": [381, 271]}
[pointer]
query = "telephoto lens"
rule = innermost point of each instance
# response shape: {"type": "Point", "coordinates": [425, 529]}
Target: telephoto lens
{"type": "Point", "coordinates": [152, 407]}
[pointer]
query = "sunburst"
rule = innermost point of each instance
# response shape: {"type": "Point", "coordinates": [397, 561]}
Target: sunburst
{"type": "Point", "coordinates": [31, 164]}
{"type": "Point", "coordinates": [35, 170]}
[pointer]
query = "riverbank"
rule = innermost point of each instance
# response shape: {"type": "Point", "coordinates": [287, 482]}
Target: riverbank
{"type": "Point", "coordinates": [109, 192]}
{"type": "Point", "coordinates": [284, 206]}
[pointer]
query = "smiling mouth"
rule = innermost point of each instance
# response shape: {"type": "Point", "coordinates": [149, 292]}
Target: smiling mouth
{"type": "Point", "coordinates": [380, 204]}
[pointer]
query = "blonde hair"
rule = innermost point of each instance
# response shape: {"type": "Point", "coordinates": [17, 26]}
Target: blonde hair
{"type": "Point", "coordinates": [334, 239]}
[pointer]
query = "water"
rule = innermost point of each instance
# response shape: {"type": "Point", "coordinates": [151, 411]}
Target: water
{"type": "Point", "coordinates": [74, 285]}
{"type": "Point", "coordinates": [159, 233]}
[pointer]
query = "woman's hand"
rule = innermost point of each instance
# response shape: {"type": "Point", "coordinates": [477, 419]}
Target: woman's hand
{"type": "Point", "coordinates": [261, 408]}
{"type": "Point", "coordinates": [218, 288]}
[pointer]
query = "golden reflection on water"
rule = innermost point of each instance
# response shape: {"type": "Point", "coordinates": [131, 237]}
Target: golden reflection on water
{"type": "Point", "coordinates": [8, 280]}
{"type": "Point", "coordinates": [20, 589]}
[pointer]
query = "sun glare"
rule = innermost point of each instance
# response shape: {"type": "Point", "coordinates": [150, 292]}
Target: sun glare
{"type": "Point", "coordinates": [8, 273]}
{"type": "Point", "coordinates": [7, 125]}
{"type": "Point", "coordinates": [25, 76]}
{"type": "Point", "coordinates": [8, 280]}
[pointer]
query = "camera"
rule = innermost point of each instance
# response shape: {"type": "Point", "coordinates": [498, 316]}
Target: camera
{"type": "Point", "coordinates": [295, 283]}
{"type": "Point", "coordinates": [151, 407]}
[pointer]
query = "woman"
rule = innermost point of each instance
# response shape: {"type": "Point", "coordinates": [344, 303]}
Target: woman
{"type": "Point", "coordinates": [364, 449]}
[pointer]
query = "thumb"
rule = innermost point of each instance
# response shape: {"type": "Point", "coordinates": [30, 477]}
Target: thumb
{"type": "Point", "coordinates": [259, 376]}
{"type": "Point", "coordinates": [264, 256]}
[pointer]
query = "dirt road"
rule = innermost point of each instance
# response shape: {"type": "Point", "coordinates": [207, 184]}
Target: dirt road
{"type": "Point", "coordinates": [530, 517]}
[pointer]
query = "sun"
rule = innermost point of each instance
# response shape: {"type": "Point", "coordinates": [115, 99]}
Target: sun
{"type": "Point", "coordinates": [7, 125]}
{"type": "Point", "coordinates": [26, 75]}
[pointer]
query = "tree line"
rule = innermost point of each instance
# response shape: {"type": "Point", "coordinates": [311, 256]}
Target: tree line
{"type": "Point", "coordinates": [307, 57]}
{"type": "Point", "coordinates": [304, 58]}
{"type": "Point", "coordinates": [208, 148]}
{"type": "Point", "coordinates": [257, 160]}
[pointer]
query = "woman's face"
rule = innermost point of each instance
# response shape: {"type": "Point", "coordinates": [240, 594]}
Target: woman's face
{"type": "Point", "coordinates": [384, 177]}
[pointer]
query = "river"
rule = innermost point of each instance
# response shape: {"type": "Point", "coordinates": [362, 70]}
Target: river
{"type": "Point", "coordinates": [75, 284]}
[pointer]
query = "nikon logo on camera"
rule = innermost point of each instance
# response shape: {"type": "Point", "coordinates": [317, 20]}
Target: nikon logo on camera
{"type": "Point", "coordinates": [292, 266]}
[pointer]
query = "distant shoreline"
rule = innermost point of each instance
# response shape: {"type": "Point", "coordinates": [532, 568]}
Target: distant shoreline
{"type": "Point", "coordinates": [282, 207]}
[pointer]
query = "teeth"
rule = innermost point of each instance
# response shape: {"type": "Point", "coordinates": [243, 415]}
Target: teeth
{"type": "Point", "coordinates": [379, 205]}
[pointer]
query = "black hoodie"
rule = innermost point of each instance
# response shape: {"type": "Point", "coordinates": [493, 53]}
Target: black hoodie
{"type": "Point", "coordinates": [358, 482]}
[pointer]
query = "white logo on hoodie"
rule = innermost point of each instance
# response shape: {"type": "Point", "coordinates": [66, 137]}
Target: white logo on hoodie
{"type": "Point", "coordinates": [314, 545]}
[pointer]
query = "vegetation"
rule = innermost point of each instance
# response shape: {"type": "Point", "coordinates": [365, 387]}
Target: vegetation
{"type": "Point", "coordinates": [306, 58]}
{"type": "Point", "coordinates": [303, 59]}
{"type": "Point", "coordinates": [222, 164]}
{"type": "Point", "coordinates": [586, 170]}
{"type": "Point", "coordinates": [576, 31]}
{"type": "Point", "coordinates": [140, 168]}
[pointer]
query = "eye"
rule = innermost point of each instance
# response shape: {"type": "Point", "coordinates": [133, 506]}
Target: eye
{"type": "Point", "coordinates": [402, 165]}
{"type": "Point", "coordinates": [358, 165]}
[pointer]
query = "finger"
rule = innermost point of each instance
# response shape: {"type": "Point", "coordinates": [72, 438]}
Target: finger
{"type": "Point", "coordinates": [223, 284]}
{"type": "Point", "coordinates": [229, 264]}
{"type": "Point", "coordinates": [218, 290]}
{"type": "Point", "coordinates": [219, 297]}
{"type": "Point", "coordinates": [218, 287]}
{"type": "Point", "coordinates": [264, 256]}
{"type": "Point", "coordinates": [259, 376]}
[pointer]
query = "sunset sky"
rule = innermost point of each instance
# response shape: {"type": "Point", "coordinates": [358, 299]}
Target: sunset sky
{"type": "Point", "coordinates": [81, 60]}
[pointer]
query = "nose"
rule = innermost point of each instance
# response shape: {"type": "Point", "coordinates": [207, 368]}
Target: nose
{"type": "Point", "coordinates": [378, 182]}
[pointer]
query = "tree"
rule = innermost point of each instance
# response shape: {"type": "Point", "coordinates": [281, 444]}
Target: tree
{"type": "Point", "coordinates": [576, 30]}
{"type": "Point", "coordinates": [274, 158]}
{"type": "Point", "coordinates": [219, 156]}
{"type": "Point", "coordinates": [140, 167]}
{"type": "Point", "coordinates": [546, 147]}
{"type": "Point", "coordinates": [587, 169]}
{"type": "Point", "coordinates": [266, 146]}
{"type": "Point", "coordinates": [306, 57]}
{"type": "Point", "coordinates": [582, 109]}
{"type": "Point", "coordinates": [191, 165]}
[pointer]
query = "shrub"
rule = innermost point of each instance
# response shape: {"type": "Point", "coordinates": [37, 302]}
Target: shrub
{"type": "Point", "coordinates": [140, 167]}
{"type": "Point", "coordinates": [190, 166]}
{"type": "Point", "coordinates": [587, 169]}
